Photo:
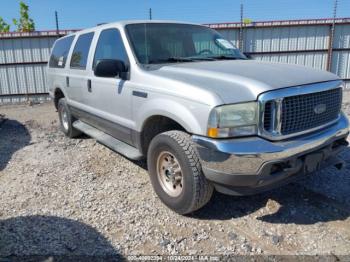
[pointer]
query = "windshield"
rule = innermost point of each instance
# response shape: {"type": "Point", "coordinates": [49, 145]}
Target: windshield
{"type": "Point", "coordinates": [166, 43]}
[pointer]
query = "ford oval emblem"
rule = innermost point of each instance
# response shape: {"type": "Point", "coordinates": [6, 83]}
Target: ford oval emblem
{"type": "Point", "coordinates": [319, 109]}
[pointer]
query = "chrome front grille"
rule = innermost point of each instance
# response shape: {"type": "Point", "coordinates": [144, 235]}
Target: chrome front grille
{"type": "Point", "coordinates": [297, 110]}
{"type": "Point", "coordinates": [268, 115]}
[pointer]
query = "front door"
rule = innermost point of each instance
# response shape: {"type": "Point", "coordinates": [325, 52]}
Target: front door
{"type": "Point", "coordinates": [110, 98]}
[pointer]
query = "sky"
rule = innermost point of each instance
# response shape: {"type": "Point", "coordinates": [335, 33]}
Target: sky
{"type": "Point", "coordinates": [79, 14]}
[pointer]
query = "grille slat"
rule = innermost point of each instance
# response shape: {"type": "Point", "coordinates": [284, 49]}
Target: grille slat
{"type": "Point", "coordinates": [298, 112]}
{"type": "Point", "coordinates": [268, 116]}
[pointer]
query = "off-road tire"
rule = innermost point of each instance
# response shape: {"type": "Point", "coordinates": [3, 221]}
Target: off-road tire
{"type": "Point", "coordinates": [196, 189]}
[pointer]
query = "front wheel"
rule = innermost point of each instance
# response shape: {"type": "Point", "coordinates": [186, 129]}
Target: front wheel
{"type": "Point", "coordinates": [176, 172]}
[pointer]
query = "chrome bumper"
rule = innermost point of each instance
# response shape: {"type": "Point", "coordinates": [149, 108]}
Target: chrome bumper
{"type": "Point", "coordinates": [253, 157]}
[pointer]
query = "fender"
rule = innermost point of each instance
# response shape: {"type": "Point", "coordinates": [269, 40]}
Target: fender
{"type": "Point", "coordinates": [182, 113]}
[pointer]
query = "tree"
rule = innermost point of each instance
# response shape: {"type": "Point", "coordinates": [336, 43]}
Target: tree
{"type": "Point", "coordinates": [4, 27]}
{"type": "Point", "coordinates": [25, 23]}
{"type": "Point", "coordinates": [247, 21]}
{"type": "Point", "coordinates": [76, 58]}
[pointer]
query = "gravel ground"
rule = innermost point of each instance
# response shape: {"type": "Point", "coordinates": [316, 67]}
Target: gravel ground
{"type": "Point", "coordinates": [76, 197]}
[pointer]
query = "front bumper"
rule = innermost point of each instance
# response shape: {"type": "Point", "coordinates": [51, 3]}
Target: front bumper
{"type": "Point", "coordinates": [251, 165]}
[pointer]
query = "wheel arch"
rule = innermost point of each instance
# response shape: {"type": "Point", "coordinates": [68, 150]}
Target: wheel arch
{"type": "Point", "coordinates": [161, 115]}
{"type": "Point", "coordinates": [154, 125]}
{"type": "Point", "coordinates": [58, 93]}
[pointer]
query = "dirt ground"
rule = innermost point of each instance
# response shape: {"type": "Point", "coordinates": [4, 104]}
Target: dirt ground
{"type": "Point", "coordinates": [61, 196]}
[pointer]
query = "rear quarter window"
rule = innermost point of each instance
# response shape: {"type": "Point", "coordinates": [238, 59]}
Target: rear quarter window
{"type": "Point", "coordinates": [60, 52]}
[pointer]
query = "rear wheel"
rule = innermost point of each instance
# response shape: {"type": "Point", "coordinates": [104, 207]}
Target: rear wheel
{"type": "Point", "coordinates": [176, 172]}
{"type": "Point", "coordinates": [66, 119]}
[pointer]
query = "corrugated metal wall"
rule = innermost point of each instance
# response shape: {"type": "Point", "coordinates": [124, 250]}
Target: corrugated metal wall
{"type": "Point", "coordinates": [305, 44]}
{"type": "Point", "coordinates": [341, 58]}
{"type": "Point", "coordinates": [23, 56]}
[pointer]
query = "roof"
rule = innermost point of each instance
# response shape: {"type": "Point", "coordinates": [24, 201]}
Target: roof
{"type": "Point", "coordinates": [129, 22]}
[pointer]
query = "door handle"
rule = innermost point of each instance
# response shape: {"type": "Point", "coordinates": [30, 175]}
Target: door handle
{"type": "Point", "coordinates": [89, 85]}
{"type": "Point", "coordinates": [67, 81]}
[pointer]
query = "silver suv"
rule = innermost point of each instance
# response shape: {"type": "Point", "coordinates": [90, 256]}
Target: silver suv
{"type": "Point", "coordinates": [203, 115]}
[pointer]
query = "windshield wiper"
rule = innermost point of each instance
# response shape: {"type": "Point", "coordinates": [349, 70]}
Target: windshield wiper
{"type": "Point", "coordinates": [202, 58]}
{"type": "Point", "coordinates": [226, 57]}
{"type": "Point", "coordinates": [171, 59]}
{"type": "Point", "coordinates": [181, 59]}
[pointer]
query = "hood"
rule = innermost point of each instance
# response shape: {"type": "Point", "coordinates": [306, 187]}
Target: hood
{"type": "Point", "coordinates": [241, 80]}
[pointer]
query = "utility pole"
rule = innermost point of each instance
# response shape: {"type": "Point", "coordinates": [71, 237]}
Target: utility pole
{"type": "Point", "coordinates": [241, 31]}
{"type": "Point", "coordinates": [56, 18]}
{"type": "Point", "coordinates": [150, 14]}
{"type": "Point", "coordinates": [331, 37]}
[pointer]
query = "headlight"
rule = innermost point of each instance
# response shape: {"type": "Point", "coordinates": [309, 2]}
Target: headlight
{"type": "Point", "coordinates": [233, 120]}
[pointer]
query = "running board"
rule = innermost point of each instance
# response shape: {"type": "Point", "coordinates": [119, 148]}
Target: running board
{"type": "Point", "coordinates": [109, 141]}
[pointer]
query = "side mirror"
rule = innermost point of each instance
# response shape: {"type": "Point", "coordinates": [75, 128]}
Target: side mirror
{"type": "Point", "coordinates": [248, 55]}
{"type": "Point", "coordinates": [110, 68]}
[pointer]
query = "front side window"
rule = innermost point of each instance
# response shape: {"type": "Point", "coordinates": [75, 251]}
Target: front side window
{"type": "Point", "coordinates": [81, 51]}
{"type": "Point", "coordinates": [170, 42]}
{"type": "Point", "coordinates": [110, 46]}
{"type": "Point", "coordinates": [60, 52]}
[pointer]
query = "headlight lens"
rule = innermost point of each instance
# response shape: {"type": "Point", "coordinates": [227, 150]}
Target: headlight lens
{"type": "Point", "coordinates": [233, 120]}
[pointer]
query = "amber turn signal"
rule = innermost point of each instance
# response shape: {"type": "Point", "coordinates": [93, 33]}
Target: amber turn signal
{"type": "Point", "coordinates": [213, 132]}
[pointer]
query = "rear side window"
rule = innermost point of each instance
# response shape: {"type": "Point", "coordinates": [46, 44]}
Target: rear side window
{"type": "Point", "coordinates": [60, 52]}
{"type": "Point", "coordinates": [110, 46]}
{"type": "Point", "coordinates": [81, 51]}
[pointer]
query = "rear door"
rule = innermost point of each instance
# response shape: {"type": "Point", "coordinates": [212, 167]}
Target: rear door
{"type": "Point", "coordinates": [111, 97]}
{"type": "Point", "coordinates": [77, 76]}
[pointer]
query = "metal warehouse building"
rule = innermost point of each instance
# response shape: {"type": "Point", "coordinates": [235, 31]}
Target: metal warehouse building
{"type": "Point", "coordinates": [23, 56]}
{"type": "Point", "coordinates": [23, 59]}
{"type": "Point", "coordinates": [305, 42]}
